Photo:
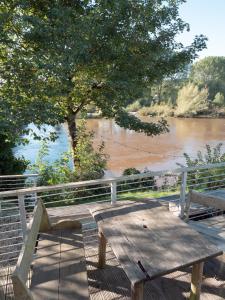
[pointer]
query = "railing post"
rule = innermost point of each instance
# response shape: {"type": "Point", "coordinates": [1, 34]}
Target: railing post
{"type": "Point", "coordinates": [113, 192]}
{"type": "Point", "coordinates": [22, 211]}
{"type": "Point", "coordinates": [183, 192]}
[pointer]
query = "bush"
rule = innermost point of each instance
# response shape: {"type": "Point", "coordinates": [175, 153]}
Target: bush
{"type": "Point", "coordinates": [134, 107]}
{"type": "Point", "coordinates": [137, 183]}
{"type": "Point", "coordinates": [90, 164]}
{"type": "Point", "coordinates": [157, 110]}
{"type": "Point", "coordinates": [219, 100]}
{"type": "Point", "coordinates": [209, 178]}
{"type": "Point", "coordinates": [9, 164]}
{"type": "Point", "coordinates": [191, 101]}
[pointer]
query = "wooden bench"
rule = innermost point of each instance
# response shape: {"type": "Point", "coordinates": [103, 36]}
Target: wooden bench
{"type": "Point", "coordinates": [58, 270]}
{"type": "Point", "coordinates": [212, 228]}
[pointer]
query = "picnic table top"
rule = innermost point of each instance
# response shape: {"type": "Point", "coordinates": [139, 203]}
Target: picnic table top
{"type": "Point", "coordinates": [148, 240]}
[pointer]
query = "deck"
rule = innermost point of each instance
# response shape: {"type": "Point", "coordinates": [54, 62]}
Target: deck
{"type": "Point", "coordinates": [112, 283]}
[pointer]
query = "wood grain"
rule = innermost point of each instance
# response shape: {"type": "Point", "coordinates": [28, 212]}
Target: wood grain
{"type": "Point", "coordinates": [148, 238]}
{"type": "Point", "coordinates": [196, 281]}
{"type": "Point", "coordinates": [59, 271]}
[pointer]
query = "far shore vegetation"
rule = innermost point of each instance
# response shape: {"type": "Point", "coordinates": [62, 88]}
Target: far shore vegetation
{"type": "Point", "coordinates": [198, 91]}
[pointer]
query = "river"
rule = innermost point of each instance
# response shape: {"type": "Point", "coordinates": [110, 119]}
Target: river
{"type": "Point", "coordinates": [130, 149]}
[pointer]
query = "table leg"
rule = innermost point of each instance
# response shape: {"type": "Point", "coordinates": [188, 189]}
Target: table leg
{"type": "Point", "coordinates": [196, 281]}
{"type": "Point", "coordinates": [101, 250]}
{"type": "Point", "coordinates": [137, 291]}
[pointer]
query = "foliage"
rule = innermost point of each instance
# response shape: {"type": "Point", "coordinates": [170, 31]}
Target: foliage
{"type": "Point", "coordinates": [58, 56]}
{"type": "Point", "coordinates": [91, 163]}
{"type": "Point", "coordinates": [191, 101]}
{"type": "Point", "coordinates": [142, 183]}
{"type": "Point", "coordinates": [9, 164]}
{"type": "Point", "coordinates": [219, 100]}
{"type": "Point", "coordinates": [210, 72]}
{"type": "Point", "coordinates": [131, 171]}
{"type": "Point", "coordinates": [164, 110]}
{"type": "Point", "coordinates": [52, 173]}
{"type": "Point", "coordinates": [211, 178]}
{"type": "Point", "coordinates": [133, 107]}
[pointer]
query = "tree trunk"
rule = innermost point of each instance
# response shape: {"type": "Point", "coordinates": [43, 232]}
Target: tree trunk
{"type": "Point", "coordinates": [71, 121]}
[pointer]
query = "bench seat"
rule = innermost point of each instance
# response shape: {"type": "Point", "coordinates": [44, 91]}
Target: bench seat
{"type": "Point", "coordinates": [59, 268]}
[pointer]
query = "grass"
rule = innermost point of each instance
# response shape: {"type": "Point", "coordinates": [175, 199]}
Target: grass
{"type": "Point", "coordinates": [147, 194]}
{"type": "Point", "coordinates": [120, 196]}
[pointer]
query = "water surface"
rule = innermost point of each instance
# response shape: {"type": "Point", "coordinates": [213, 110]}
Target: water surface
{"type": "Point", "coordinates": [130, 149]}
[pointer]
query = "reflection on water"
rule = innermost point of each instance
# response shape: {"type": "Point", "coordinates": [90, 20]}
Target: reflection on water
{"type": "Point", "coordinates": [130, 149]}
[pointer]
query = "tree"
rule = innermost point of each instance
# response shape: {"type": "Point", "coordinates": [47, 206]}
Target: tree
{"type": "Point", "coordinates": [8, 163]}
{"type": "Point", "coordinates": [210, 72]}
{"type": "Point", "coordinates": [219, 100]}
{"type": "Point", "coordinates": [191, 100]}
{"type": "Point", "coordinates": [59, 56]}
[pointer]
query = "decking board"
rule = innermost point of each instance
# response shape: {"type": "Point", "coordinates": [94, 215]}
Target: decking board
{"type": "Point", "coordinates": [59, 270]}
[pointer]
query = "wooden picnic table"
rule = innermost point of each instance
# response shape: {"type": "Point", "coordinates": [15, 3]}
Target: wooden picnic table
{"type": "Point", "coordinates": [149, 242]}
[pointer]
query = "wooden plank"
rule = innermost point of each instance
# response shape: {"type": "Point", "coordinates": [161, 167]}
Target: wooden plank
{"type": "Point", "coordinates": [73, 282]}
{"type": "Point", "coordinates": [21, 292]}
{"type": "Point", "coordinates": [45, 277]}
{"type": "Point", "coordinates": [216, 199]}
{"type": "Point", "coordinates": [59, 271]}
{"type": "Point", "coordinates": [26, 254]}
{"type": "Point", "coordinates": [211, 233]}
{"type": "Point", "coordinates": [45, 224]}
{"type": "Point", "coordinates": [101, 250]}
{"type": "Point", "coordinates": [196, 281]}
{"type": "Point", "coordinates": [137, 291]}
{"type": "Point", "coordinates": [149, 231]}
{"type": "Point", "coordinates": [66, 224]}
{"type": "Point", "coordinates": [123, 250]}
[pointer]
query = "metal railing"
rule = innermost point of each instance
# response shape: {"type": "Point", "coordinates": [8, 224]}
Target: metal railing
{"type": "Point", "coordinates": [14, 182]}
{"type": "Point", "coordinates": [171, 187]}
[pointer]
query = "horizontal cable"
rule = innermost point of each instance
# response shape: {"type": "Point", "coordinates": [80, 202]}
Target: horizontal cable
{"type": "Point", "coordinates": [11, 238]}
{"type": "Point", "coordinates": [7, 246]}
{"type": "Point", "coordinates": [76, 199]}
{"type": "Point", "coordinates": [11, 252]}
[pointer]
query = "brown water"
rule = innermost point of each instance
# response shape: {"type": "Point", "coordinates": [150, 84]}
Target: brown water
{"type": "Point", "coordinates": [130, 149]}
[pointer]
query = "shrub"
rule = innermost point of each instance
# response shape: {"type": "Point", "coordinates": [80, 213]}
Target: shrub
{"type": "Point", "coordinates": [134, 107]}
{"type": "Point", "coordinates": [157, 110]}
{"type": "Point", "coordinates": [9, 164]}
{"type": "Point", "coordinates": [209, 178]}
{"type": "Point", "coordinates": [137, 183]}
{"type": "Point", "coordinates": [90, 164]}
{"type": "Point", "coordinates": [219, 100]}
{"type": "Point", "coordinates": [191, 101]}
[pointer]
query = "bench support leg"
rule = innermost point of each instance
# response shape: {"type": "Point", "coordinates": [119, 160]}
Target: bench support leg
{"type": "Point", "coordinates": [137, 291]}
{"type": "Point", "coordinates": [101, 250]}
{"type": "Point", "coordinates": [196, 281]}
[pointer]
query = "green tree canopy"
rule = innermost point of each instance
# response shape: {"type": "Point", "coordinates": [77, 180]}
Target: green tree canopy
{"type": "Point", "coordinates": [210, 72]}
{"type": "Point", "coordinates": [57, 56]}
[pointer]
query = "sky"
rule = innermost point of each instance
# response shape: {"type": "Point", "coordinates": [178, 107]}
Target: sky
{"type": "Point", "coordinates": [205, 17]}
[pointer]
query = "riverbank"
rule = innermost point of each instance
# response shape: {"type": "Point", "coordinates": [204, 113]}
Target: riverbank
{"type": "Point", "coordinates": [165, 111]}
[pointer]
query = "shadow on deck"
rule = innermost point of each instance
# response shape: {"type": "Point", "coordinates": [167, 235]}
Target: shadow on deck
{"type": "Point", "coordinates": [112, 283]}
